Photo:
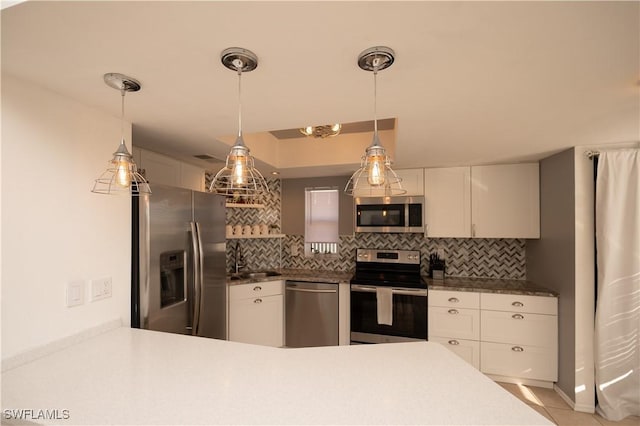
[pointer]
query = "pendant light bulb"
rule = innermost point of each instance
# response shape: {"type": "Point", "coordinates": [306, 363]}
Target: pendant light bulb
{"type": "Point", "coordinates": [238, 171]}
{"type": "Point", "coordinates": [123, 177]}
{"type": "Point", "coordinates": [376, 171]}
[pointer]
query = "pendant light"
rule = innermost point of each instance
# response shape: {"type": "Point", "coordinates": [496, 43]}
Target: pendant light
{"type": "Point", "coordinates": [121, 176]}
{"type": "Point", "coordinates": [375, 175]}
{"type": "Point", "coordinates": [239, 179]}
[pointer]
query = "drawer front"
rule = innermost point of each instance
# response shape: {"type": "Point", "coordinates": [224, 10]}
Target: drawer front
{"type": "Point", "coordinates": [517, 328]}
{"type": "Point", "coordinates": [252, 290]}
{"type": "Point", "coordinates": [518, 303]}
{"type": "Point", "coordinates": [527, 362]}
{"type": "Point", "coordinates": [469, 350]}
{"type": "Point", "coordinates": [454, 322]}
{"type": "Point", "coordinates": [454, 299]}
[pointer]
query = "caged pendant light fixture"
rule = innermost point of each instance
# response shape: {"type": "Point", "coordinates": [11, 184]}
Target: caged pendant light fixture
{"type": "Point", "coordinates": [375, 175]}
{"type": "Point", "coordinates": [239, 179]}
{"type": "Point", "coordinates": [121, 176]}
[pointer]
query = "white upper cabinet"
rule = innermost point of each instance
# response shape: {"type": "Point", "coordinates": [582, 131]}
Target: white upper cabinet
{"type": "Point", "coordinates": [447, 194]}
{"type": "Point", "coordinates": [412, 181]}
{"type": "Point", "coordinates": [499, 201]}
{"type": "Point", "coordinates": [164, 170]}
{"type": "Point", "coordinates": [191, 177]}
{"type": "Point", "coordinates": [505, 201]}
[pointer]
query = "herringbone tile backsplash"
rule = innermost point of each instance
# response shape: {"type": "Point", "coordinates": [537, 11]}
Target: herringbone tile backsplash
{"type": "Point", "coordinates": [466, 257]}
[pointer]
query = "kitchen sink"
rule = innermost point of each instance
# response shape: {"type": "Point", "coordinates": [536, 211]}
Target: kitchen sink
{"type": "Point", "coordinates": [254, 274]}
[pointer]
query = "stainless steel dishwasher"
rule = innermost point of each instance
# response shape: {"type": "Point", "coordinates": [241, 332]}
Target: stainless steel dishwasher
{"type": "Point", "coordinates": [311, 314]}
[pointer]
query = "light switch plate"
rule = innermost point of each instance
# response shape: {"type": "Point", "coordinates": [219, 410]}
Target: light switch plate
{"type": "Point", "coordinates": [75, 293]}
{"type": "Point", "coordinates": [101, 288]}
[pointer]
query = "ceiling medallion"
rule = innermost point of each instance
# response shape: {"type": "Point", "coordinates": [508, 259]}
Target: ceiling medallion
{"type": "Point", "coordinates": [326, 131]}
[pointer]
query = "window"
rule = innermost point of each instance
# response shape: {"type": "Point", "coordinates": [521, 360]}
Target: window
{"type": "Point", "coordinates": [321, 222]}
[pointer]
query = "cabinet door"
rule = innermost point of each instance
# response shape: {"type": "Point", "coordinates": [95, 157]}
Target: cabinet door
{"type": "Point", "coordinates": [454, 322]}
{"type": "Point", "coordinates": [447, 202]}
{"type": "Point", "coordinates": [527, 362]}
{"type": "Point", "coordinates": [505, 201]}
{"type": "Point", "coordinates": [191, 177]}
{"type": "Point", "coordinates": [160, 168]}
{"type": "Point", "coordinates": [469, 350]}
{"type": "Point", "coordinates": [517, 328]}
{"type": "Point", "coordinates": [412, 181]}
{"type": "Point", "coordinates": [258, 321]}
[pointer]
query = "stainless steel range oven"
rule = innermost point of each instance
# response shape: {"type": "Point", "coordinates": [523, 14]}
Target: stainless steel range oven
{"type": "Point", "coordinates": [382, 275]}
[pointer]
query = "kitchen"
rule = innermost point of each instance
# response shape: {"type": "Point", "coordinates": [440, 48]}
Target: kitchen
{"type": "Point", "coordinates": [86, 237]}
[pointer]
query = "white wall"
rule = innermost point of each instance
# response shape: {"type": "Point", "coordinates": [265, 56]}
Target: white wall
{"type": "Point", "coordinates": [54, 229]}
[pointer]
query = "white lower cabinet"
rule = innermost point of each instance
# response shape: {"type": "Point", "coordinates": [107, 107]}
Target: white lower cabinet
{"type": "Point", "coordinates": [454, 321]}
{"type": "Point", "coordinates": [469, 350]}
{"type": "Point", "coordinates": [519, 336]}
{"type": "Point", "coordinates": [514, 337]}
{"type": "Point", "coordinates": [256, 313]}
{"type": "Point", "coordinates": [519, 361]}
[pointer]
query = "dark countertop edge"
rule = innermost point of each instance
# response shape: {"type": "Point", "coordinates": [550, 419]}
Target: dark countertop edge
{"type": "Point", "coordinates": [479, 285]}
{"type": "Point", "coordinates": [488, 285]}
{"type": "Point", "coordinates": [307, 275]}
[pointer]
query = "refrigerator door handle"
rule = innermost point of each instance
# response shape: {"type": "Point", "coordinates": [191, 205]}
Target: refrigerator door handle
{"type": "Point", "coordinates": [197, 269]}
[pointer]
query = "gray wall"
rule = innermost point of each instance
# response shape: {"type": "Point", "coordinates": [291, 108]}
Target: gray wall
{"type": "Point", "coordinates": [551, 259]}
{"type": "Point", "coordinates": [293, 203]}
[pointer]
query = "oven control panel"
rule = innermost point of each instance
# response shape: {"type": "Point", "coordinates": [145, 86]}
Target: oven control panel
{"type": "Point", "coordinates": [410, 257]}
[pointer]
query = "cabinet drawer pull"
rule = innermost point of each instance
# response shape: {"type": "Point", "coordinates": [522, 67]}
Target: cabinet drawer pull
{"type": "Point", "coordinates": [454, 300]}
{"type": "Point", "coordinates": [454, 342]}
{"type": "Point", "coordinates": [257, 301]}
{"type": "Point", "coordinates": [517, 349]}
{"type": "Point", "coordinates": [518, 304]}
{"type": "Point", "coordinates": [517, 316]}
{"type": "Point", "coordinates": [453, 311]}
{"type": "Point", "coordinates": [257, 288]}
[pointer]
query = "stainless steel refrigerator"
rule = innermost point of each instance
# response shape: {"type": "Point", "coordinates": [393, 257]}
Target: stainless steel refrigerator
{"type": "Point", "coordinates": [178, 262]}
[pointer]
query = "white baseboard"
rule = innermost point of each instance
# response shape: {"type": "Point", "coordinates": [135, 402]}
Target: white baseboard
{"type": "Point", "coordinates": [583, 408]}
{"type": "Point", "coordinates": [521, 381]}
{"type": "Point", "coordinates": [57, 345]}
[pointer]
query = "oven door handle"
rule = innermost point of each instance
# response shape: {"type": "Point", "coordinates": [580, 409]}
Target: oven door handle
{"type": "Point", "coordinates": [400, 291]}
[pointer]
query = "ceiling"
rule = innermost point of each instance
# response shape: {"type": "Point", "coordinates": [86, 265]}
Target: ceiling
{"type": "Point", "coordinates": [472, 83]}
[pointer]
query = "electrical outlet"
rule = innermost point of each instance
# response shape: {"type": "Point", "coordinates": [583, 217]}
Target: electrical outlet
{"type": "Point", "coordinates": [101, 288]}
{"type": "Point", "coordinates": [441, 253]}
{"type": "Point", "coordinates": [75, 293]}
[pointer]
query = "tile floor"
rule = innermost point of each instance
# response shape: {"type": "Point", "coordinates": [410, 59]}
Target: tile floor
{"type": "Point", "coordinates": [548, 403]}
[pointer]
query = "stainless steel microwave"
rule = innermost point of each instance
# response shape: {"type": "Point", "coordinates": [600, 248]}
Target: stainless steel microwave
{"type": "Point", "coordinates": [389, 214]}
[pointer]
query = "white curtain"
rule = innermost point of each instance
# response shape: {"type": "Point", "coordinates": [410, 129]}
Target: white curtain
{"type": "Point", "coordinates": [617, 326]}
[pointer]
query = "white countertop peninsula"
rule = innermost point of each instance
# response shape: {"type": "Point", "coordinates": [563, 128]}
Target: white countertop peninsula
{"type": "Point", "coordinates": [131, 376]}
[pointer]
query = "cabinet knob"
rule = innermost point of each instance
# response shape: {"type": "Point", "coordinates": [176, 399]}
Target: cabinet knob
{"type": "Point", "coordinates": [517, 316]}
{"type": "Point", "coordinates": [518, 304]}
{"type": "Point", "coordinates": [454, 300]}
{"type": "Point", "coordinates": [454, 342]}
{"type": "Point", "coordinates": [257, 301]}
{"type": "Point", "coordinates": [453, 311]}
{"type": "Point", "coordinates": [257, 288]}
{"type": "Point", "coordinates": [517, 349]}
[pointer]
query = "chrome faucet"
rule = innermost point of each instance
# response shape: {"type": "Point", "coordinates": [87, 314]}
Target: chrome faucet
{"type": "Point", "coordinates": [238, 258]}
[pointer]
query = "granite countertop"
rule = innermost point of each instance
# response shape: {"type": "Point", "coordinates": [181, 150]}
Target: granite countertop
{"type": "Point", "coordinates": [311, 275]}
{"type": "Point", "coordinates": [488, 285]}
{"type": "Point", "coordinates": [157, 378]}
